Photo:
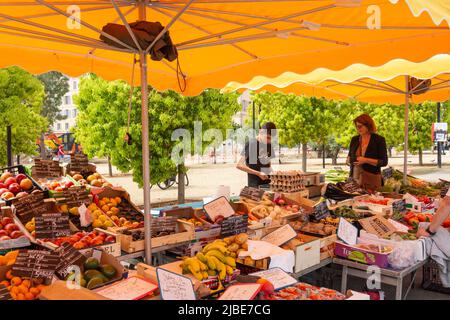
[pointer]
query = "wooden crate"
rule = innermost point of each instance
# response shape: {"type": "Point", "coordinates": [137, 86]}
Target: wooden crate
{"type": "Point", "coordinates": [307, 254]}
{"type": "Point", "coordinates": [185, 232]}
{"type": "Point", "coordinates": [46, 169]}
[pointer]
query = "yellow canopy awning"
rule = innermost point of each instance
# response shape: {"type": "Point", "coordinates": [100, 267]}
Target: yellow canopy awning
{"type": "Point", "coordinates": [380, 84]}
{"type": "Point", "coordinates": [223, 41]}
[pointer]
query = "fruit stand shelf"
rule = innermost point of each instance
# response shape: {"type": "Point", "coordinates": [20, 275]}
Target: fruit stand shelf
{"type": "Point", "coordinates": [140, 254]}
{"type": "Point", "coordinates": [306, 271]}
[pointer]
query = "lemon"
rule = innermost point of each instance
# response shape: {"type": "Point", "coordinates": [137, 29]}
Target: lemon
{"type": "Point", "coordinates": [97, 223]}
{"type": "Point", "coordinates": [108, 224]}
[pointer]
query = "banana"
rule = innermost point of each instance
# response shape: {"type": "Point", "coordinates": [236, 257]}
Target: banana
{"type": "Point", "coordinates": [197, 275]}
{"type": "Point", "coordinates": [231, 262]}
{"type": "Point", "coordinates": [221, 242]}
{"type": "Point", "coordinates": [217, 254]}
{"type": "Point", "coordinates": [185, 268]}
{"type": "Point", "coordinates": [218, 263]}
{"type": "Point", "coordinates": [205, 275]}
{"type": "Point", "coordinates": [230, 270]}
{"type": "Point", "coordinates": [212, 273]}
{"type": "Point", "coordinates": [210, 263]}
{"type": "Point", "coordinates": [216, 246]}
{"type": "Point", "coordinates": [194, 263]}
{"type": "Point", "coordinates": [200, 256]}
{"type": "Point", "coordinates": [203, 266]}
{"type": "Point", "coordinates": [222, 273]}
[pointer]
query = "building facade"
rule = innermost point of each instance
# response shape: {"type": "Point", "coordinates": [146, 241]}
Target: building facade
{"type": "Point", "coordinates": [68, 109]}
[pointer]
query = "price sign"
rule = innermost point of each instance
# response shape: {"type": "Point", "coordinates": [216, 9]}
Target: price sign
{"type": "Point", "coordinates": [377, 225]}
{"type": "Point", "coordinates": [281, 235]}
{"type": "Point", "coordinates": [347, 232]}
{"type": "Point", "coordinates": [277, 276]}
{"type": "Point", "coordinates": [244, 291]}
{"type": "Point", "coordinates": [174, 286]}
{"type": "Point", "coordinates": [79, 162]}
{"type": "Point", "coordinates": [234, 225]}
{"type": "Point", "coordinates": [399, 206]}
{"type": "Point", "coordinates": [75, 196]}
{"type": "Point", "coordinates": [52, 225]}
{"type": "Point", "coordinates": [29, 206]}
{"type": "Point", "coordinates": [254, 194]}
{"type": "Point", "coordinates": [35, 264]}
{"type": "Point", "coordinates": [321, 211]}
{"type": "Point", "coordinates": [4, 293]}
{"type": "Point", "coordinates": [133, 288]}
{"type": "Point", "coordinates": [46, 168]}
{"type": "Point", "coordinates": [69, 256]}
{"type": "Point", "coordinates": [387, 173]}
{"type": "Point", "coordinates": [218, 207]}
{"type": "Point", "coordinates": [444, 190]}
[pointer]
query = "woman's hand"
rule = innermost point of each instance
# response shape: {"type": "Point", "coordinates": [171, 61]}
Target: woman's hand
{"type": "Point", "coordinates": [360, 160]}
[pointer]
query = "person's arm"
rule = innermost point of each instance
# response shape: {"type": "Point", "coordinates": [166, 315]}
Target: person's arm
{"type": "Point", "coordinates": [241, 165]}
{"type": "Point", "coordinates": [438, 219]}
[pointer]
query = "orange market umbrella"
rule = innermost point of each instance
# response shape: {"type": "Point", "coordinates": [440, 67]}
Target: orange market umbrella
{"type": "Point", "coordinates": [395, 82]}
{"type": "Point", "coordinates": [218, 41]}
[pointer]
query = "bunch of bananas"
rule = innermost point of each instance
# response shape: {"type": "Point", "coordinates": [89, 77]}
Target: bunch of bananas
{"type": "Point", "coordinates": [214, 260]}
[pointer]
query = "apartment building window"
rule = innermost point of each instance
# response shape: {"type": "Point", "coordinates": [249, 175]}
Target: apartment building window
{"type": "Point", "coordinates": [66, 112]}
{"type": "Point", "coordinates": [67, 100]}
{"type": "Point", "coordinates": [75, 85]}
{"type": "Point", "coordinates": [58, 126]}
{"type": "Point", "coordinates": [74, 113]}
{"type": "Point", "coordinates": [67, 126]}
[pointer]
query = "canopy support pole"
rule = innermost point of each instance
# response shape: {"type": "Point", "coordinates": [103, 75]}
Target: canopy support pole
{"type": "Point", "coordinates": [145, 146]}
{"type": "Point", "coordinates": [405, 148]}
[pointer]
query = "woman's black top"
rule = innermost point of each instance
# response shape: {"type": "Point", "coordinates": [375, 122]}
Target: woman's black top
{"type": "Point", "coordinates": [375, 150]}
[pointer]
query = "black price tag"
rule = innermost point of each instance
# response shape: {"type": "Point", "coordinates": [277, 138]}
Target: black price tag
{"type": "Point", "coordinates": [234, 225]}
{"type": "Point", "coordinates": [444, 190]}
{"type": "Point", "coordinates": [4, 293]}
{"type": "Point", "coordinates": [29, 206]}
{"type": "Point", "coordinates": [399, 206]}
{"type": "Point", "coordinates": [387, 173]}
{"type": "Point", "coordinates": [69, 256]}
{"type": "Point", "coordinates": [34, 264]}
{"type": "Point", "coordinates": [321, 211]}
{"type": "Point", "coordinates": [254, 194]}
{"type": "Point", "coordinates": [47, 168]}
{"type": "Point", "coordinates": [52, 225]}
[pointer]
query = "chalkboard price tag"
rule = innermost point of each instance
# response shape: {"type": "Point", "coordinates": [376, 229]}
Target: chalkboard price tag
{"type": "Point", "coordinates": [444, 190]}
{"type": "Point", "coordinates": [254, 194]}
{"type": "Point", "coordinates": [321, 211]}
{"type": "Point", "coordinates": [4, 293]}
{"type": "Point", "coordinates": [29, 206]}
{"type": "Point", "coordinates": [52, 225]}
{"type": "Point", "coordinates": [36, 264]}
{"type": "Point", "coordinates": [234, 225]}
{"type": "Point", "coordinates": [399, 206]}
{"type": "Point", "coordinates": [387, 173]}
{"type": "Point", "coordinates": [69, 257]}
{"type": "Point", "coordinates": [47, 168]}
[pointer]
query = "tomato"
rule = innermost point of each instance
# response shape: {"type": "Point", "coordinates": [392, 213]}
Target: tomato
{"type": "Point", "coordinates": [421, 217]}
{"type": "Point", "coordinates": [446, 223]}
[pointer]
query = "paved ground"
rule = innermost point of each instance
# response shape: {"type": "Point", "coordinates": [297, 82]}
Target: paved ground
{"type": "Point", "coordinates": [205, 178]}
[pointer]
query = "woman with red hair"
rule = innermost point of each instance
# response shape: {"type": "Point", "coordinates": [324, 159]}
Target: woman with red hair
{"type": "Point", "coordinates": [367, 154]}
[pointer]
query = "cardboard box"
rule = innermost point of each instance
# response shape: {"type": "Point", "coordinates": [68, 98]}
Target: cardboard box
{"type": "Point", "coordinates": [360, 255]}
{"type": "Point", "coordinates": [378, 226]}
{"type": "Point", "coordinates": [307, 254]}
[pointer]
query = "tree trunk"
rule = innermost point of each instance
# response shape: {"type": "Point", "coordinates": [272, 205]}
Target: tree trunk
{"type": "Point", "coordinates": [390, 152]}
{"type": "Point", "coordinates": [298, 150]}
{"type": "Point", "coordinates": [110, 167]}
{"type": "Point", "coordinates": [323, 156]}
{"type": "Point", "coordinates": [181, 186]}
{"type": "Point", "coordinates": [420, 157]}
{"type": "Point", "coordinates": [304, 156]}
{"type": "Point", "coordinates": [18, 159]}
{"type": "Point", "coordinates": [214, 156]}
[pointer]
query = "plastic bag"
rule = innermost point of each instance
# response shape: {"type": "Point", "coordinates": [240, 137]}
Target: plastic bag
{"type": "Point", "coordinates": [403, 255]}
{"type": "Point", "coordinates": [85, 216]}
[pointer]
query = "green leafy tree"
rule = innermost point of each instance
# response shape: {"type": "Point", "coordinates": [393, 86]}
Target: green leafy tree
{"type": "Point", "coordinates": [56, 85]}
{"type": "Point", "coordinates": [21, 97]}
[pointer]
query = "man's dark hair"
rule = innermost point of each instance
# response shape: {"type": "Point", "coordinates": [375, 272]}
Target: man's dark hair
{"type": "Point", "coordinates": [269, 126]}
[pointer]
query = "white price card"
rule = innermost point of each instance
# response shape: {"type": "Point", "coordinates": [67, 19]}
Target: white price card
{"type": "Point", "coordinates": [219, 207]}
{"type": "Point", "coordinates": [281, 235]}
{"type": "Point", "coordinates": [133, 288]}
{"type": "Point", "coordinates": [174, 286]}
{"type": "Point", "coordinates": [277, 276]}
{"type": "Point", "coordinates": [243, 291]}
{"type": "Point", "coordinates": [347, 232]}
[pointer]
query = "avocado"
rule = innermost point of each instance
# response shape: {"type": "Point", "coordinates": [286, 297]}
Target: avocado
{"type": "Point", "coordinates": [89, 274]}
{"type": "Point", "coordinates": [108, 270]}
{"type": "Point", "coordinates": [91, 263]}
{"type": "Point", "coordinates": [94, 282]}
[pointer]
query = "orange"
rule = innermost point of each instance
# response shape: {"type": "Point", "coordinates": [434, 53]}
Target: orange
{"type": "Point", "coordinates": [9, 275]}
{"type": "Point", "coordinates": [3, 261]}
{"type": "Point", "coordinates": [20, 296]}
{"type": "Point", "coordinates": [41, 287]}
{"type": "Point", "coordinates": [15, 290]}
{"type": "Point", "coordinates": [26, 283]}
{"type": "Point", "coordinates": [23, 289]}
{"type": "Point", "coordinates": [13, 295]}
{"type": "Point", "coordinates": [35, 291]}
{"type": "Point", "coordinates": [16, 281]}
{"type": "Point", "coordinates": [118, 200]}
{"type": "Point", "coordinates": [29, 296]}
{"type": "Point", "coordinates": [5, 283]}
{"type": "Point", "coordinates": [105, 208]}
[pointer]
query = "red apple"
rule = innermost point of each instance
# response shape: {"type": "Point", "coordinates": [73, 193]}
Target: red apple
{"type": "Point", "coordinates": [2, 186]}
{"type": "Point", "coordinates": [11, 227]}
{"type": "Point", "coordinates": [21, 194]}
{"type": "Point", "coordinates": [3, 233]}
{"type": "Point", "coordinates": [3, 190]}
{"type": "Point", "coordinates": [7, 195]}
{"type": "Point", "coordinates": [16, 234]}
{"type": "Point", "coordinates": [68, 184]}
{"type": "Point", "coordinates": [110, 239]}
{"type": "Point", "coordinates": [5, 175]}
{"type": "Point", "coordinates": [10, 181]}
{"type": "Point", "coordinates": [20, 177]}
{"type": "Point", "coordinates": [267, 288]}
{"type": "Point", "coordinates": [7, 220]}
{"type": "Point", "coordinates": [15, 188]}
{"type": "Point", "coordinates": [281, 202]}
{"type": "Point", "coordinates": [4, 238]}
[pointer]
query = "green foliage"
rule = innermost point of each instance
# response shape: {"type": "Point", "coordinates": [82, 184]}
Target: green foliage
{"type": "Point", "coordinates": [421, 118]}
{"type": "Point", "coordinates": [102, 123]}
{"type": "Point", "coordinates": [56, 86]}
{"type": "Point", "coordinates": [21, 97]}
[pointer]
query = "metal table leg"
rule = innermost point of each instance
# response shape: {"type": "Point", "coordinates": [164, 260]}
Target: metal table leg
{"type": "Point", "coordinates": [399, 289]}
{"type": "Point", "coordinates": [344, 279]}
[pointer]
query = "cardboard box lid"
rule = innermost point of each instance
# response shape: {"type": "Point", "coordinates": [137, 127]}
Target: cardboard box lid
{"type": "Point", "coordinates": [377, 225]}
{"type": "Point", "coordinates": [60, 291]}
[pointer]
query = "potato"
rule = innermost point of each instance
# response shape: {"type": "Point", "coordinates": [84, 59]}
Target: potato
{"type": "Point", "coordinates": [233, 247]}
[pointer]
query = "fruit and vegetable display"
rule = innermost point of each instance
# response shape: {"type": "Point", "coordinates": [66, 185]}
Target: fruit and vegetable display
{"type": "Point", "coordinates": [15, 186]}
{"type": "Point", "coordinates": [375, 248]}
{"type": "Point", "coordinates": [217, 258]}
{"type": "Point", "coordinates": [304, 291]}
{"type": "Point", "coordinates": [82, 240]}
{"type": "Point", "coordinates": [121, 212]}
{"type": "Point", "coordinates": [335, 176]}
{"type": "Point", "coordinates": [413, 185]}
{"type": "Point", "coordinates": [94, 274]}
{"type": "Point", "coordinates": [22, 288]}
{"type": "Point", "coordinates": [9, 258]}
{"type": "Point", "coordinates": [9, 229]}
{"type": "Point", "coordinates": [56, 185]}
{"type": "Point", "coordinates": [100, 219]}
{"type": "Point", "coordinates": [320, 229]}
{"type": "Point", "coordinates": [93, 179]}
{"type": "Point", "coordinates": [267, 208]}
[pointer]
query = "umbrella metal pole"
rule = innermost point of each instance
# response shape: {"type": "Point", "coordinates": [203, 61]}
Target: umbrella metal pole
{"type": "Point", "coordinates": [405, 149]}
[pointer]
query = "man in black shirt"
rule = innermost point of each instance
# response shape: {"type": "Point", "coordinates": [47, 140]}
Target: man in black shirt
{"type": "Point", "coordinates": [256, 156]}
